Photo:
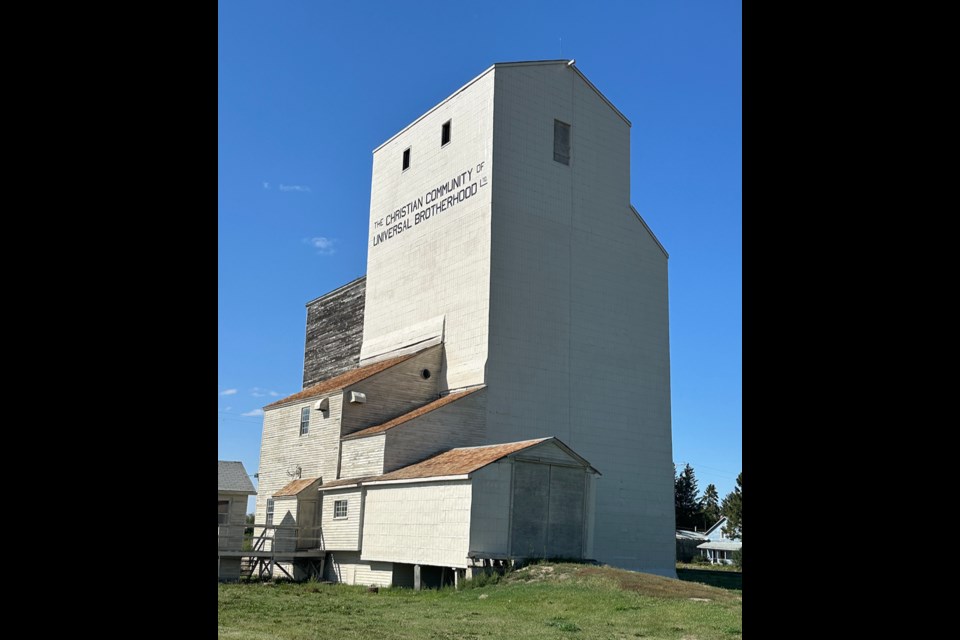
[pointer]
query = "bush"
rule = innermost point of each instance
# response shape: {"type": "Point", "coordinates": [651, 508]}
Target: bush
{"type": "Point", "coordinates": [700, 560]}
{"type": "Point", "coordinates": [481, 580]}
{"type": "Point", "coordinates": [738, 558]}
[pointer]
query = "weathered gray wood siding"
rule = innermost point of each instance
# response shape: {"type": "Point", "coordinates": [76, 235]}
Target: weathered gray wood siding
{"type": "Point", "coordinates": [362, 457]}
{"type": "Point", "coordinates": [459, 424]}
{"type": "Point", "coordinates": [342, 533]}
{"type": "Point", "coordinates": [490, 509]}
{"type": "Point", "coordinates": [347, 567]}
{"type": "Point", "coordinates": [422, 523]}
{"type": "Point", "coordinates": [282, 447]}
{"type": "Point", "coordinates": [393, 392]}
{"type": "Point", "coordinates": [231, 535]}
{"type": "Point", "coordinates": [334, 332]}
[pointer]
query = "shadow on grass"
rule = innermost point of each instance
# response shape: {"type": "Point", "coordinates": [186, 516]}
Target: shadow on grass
{"type": "Point", "coordinates": [722, 579]}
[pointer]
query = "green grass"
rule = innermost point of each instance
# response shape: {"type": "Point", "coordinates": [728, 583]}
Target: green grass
{"type": "Point", "coordinates": [540, 601]}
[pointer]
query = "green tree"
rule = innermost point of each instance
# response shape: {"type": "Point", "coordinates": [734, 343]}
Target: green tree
{"type": "Point", "coordinates": [686, 506]}
{"type": "Point", "coordinates": [710, 507]}
{"type": "Point", "coordinates": [732, 508]}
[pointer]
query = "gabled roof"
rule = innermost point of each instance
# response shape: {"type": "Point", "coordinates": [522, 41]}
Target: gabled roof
{"type": "Point", "coordinates": [455, 462]}
{"type": "Point", "coordinates": [416, 413]}
{"type": "Point", "coordinates": [683, 534]}
{"type": "Point", "coordinates": [233, 478]}
{"type": "Point", "coordinates": [296, 487]}
{"type": "Point", "coordinates": [715, 527]}
{"type": "Point", "coordinates": [339, 382]}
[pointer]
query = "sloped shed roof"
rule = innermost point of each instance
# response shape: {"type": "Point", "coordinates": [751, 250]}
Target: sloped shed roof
{"type": "Point", "coordinates": [296, 487]}
{"type": "Point", "coordinates": [341, 381]}
{"type": "Point", "coordinates": [416, 413]}
{"type": "Point", "coordinates": [232, 477]}
{"type": "Point", "coordinates": [455, 462]}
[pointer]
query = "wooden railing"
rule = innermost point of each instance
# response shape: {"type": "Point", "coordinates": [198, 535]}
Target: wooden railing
{"type": "Point", "coordinates": [270, 538]}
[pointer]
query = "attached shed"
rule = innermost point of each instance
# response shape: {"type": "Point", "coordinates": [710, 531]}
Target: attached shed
{"type": "Point", "coordinates": [465, 508]}
{"type": "Point", "coordinates": [233, 488]}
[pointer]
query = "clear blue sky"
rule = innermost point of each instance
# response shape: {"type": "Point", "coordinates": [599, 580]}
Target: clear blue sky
{"type": "Point", "coordinates": [307, 90]}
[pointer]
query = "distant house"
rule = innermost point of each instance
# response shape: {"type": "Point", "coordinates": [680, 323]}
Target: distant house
{"type": "Point", "coordinates": [719, 547]}
{"type": "Point", "coordinates": [687, 542]}
{"type": "Point", "coordinates": [233, 487]}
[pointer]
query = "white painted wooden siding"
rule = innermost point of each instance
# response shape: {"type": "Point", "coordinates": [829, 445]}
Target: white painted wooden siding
{"type": "Point", "coordinates": [461, 423]}
{"type": "Point", "coordinates": [342, 533]}
{"type": "Point", "coordinates": [423, 523]}
{"type": "Point", "coordinates": [393, 392]}
{"type": "Point", "coordinates": [362, 457]}
{"type": "Point", "coordinates": [347, 567]}
{"type": "Point", "coordinates": [283, 448]}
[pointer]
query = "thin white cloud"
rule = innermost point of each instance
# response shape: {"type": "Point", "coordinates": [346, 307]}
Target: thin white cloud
{"type": "Point", "coordinates": [253, 414]}
{"type": "Point", "coordinates": [257, 392]}
{"type": "Point", "coordinates": [323, 245]}
{"type": "Point", "coordinates": [227, 409]}
{"type": "Point", "coordinates": [266, 185]}
{"type": "Point", "coordinates": [293, 187]}
{"type": "Point", "coordinates": [228, 392]}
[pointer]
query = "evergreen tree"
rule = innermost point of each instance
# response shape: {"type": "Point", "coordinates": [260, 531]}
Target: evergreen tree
{"type": "Point", "coordinates": [732, 509]}
{"type": "Point", "coordinates": [710, 507]}
{"type": "Point", "coordinates": [686, 506]}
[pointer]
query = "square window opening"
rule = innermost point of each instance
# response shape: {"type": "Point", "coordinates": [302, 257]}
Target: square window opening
{"type": "Point", "coordinates": [340, 509]}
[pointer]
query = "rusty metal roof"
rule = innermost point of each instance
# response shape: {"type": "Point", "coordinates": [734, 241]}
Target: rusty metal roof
{"type": "Point", "coordinates": [454, 462]}
{"type": "Point", "coordinates": [343, 380]}
{"type": "Point", "coordinates": [295, 487]}
{"type": "Point", "coordinates": [416, 413]}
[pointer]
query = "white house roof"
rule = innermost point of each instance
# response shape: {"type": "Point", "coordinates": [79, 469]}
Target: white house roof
{"type": "Point", "coordinates": [233, 478]}
{"type": "Point", "coordinates": [716, 527]}
{"type": "Point", "coordinates": [683, 534]}
{"type": "Point", "coordinates": [723, 545]}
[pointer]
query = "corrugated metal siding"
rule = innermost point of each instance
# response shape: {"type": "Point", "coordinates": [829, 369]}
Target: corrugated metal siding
{"type": "Point", "coordinates": [418, 523]}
